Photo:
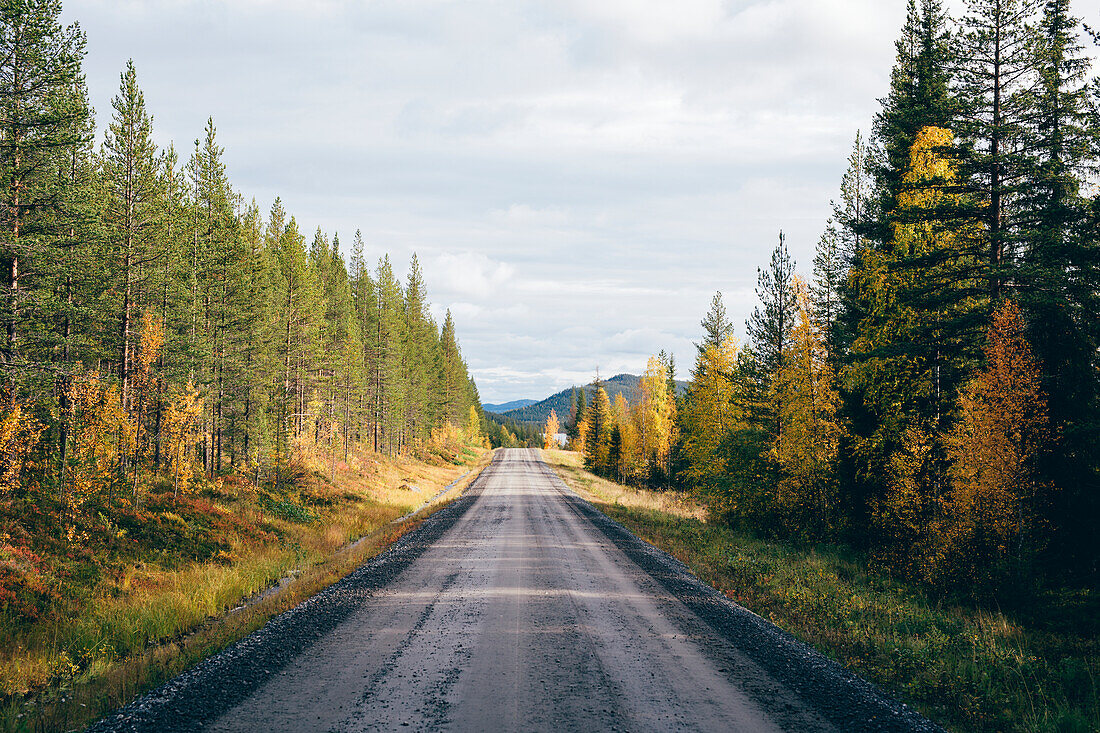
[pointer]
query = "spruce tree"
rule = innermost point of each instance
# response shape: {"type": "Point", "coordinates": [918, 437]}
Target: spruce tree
{"type": "Point", "coordinates": [772, 320]}
{"type": "Point", "coordinates": [1058, 275]}
{"type": "Point", "coordinates": [996, 74]}
{"type": "Point", "coordinates": [770, 329]}
{"type": "Point", "coordinates": [869, 329]}
{"type": "Point", "coordinates": [920, 96]}
{"type": "Point", "coordinates": [716, 324]}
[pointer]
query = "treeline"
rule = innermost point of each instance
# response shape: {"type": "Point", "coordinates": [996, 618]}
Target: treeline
{"type": "Point", "coordinates": [930, 394]}
{"type": "Point", "coordinates": [156, 327]}
{"type": "Point", "coordinates": [506, 432]}
{"type": "Point", "coordinates": [628, 441]}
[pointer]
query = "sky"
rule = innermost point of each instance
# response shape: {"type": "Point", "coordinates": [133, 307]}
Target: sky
{"type": "Point", "coordinates": [577, 178]}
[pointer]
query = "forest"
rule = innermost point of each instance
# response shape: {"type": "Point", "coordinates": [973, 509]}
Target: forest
{"type": "Point", "coordinates": [928, 394]}
{"type": "Point", "coordinates": [164, 339]}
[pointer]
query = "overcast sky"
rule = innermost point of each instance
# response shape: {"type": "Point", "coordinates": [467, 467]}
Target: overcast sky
{"type": "Point", "coordinates": [577, 177]}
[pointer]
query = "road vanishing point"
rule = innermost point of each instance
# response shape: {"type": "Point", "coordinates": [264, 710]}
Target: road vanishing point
{"type": "Point", "coordinates": [518, 607]}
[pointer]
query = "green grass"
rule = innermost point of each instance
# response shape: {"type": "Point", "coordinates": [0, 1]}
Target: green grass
{"type": "Point", "coordinates": [967, 668]}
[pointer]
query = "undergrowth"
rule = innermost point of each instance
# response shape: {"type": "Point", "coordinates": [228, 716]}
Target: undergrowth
{"type": "Point", "coordinates": [966, 667]}
{"type": "Point", "coordinates": [145, 590]}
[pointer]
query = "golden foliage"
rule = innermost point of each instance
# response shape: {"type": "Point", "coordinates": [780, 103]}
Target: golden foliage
{"type": "Point", "coordinates": [473, 424]}
{"type": "Point", "coordinates": [807, 404]}
{"type": "Point", "coordinates": [98, 431]}
{"type": "Point", "coordinates": [152, 339]}
{"type": "Point", "coordinates": [580, 442]}
{"type": "Point", "coordinates": [969, 518]}
{"type": "Point", "coordinates": [656, 415]}
{"type": "Point", "coordinates": [552, 428]}
{"type": "Point", "coordinates": [709, 414]}
{"type": "Point", "coordinates": [1003, 426]}
{"type": "Point", "coordinates": [179, 419]}
{"type": "Point", "coordinates": [19, 432]}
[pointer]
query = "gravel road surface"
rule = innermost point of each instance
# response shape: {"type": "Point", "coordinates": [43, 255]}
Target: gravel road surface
{"type": "Point", "coordinates": [518, 607]}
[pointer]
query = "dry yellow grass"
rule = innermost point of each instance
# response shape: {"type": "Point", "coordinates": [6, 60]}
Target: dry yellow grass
{"type": "Point", "coordinates": [150, 622]}
{"type": "Point", "coordinates": [570, 466]}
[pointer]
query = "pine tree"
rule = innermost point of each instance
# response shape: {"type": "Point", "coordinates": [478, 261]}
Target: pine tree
{"type": "Point", "coordinates": [75, 268]}
{"type": "Point", "coordinates": [841, 245]}
{"type": "Point", "coordinates": [452, 378]}
{"type": "Point", "coordinates": [171, 295]}
{"type": "Point", "coordinates": [299, 302]}
{"type": "Point", "coordinates": [257, 319]}
{"type": "Point", "coordinates": [133, 213]}
{"type": "Point", "coordinates": [42, 111]}
{"type": "Point", "coordinates": [217, 292]}
{"type": "Point", "coordinates": [830, 271]}
{"type": "Point", "coordinates": [420, 350]}
{"type": "Point", "coordinates": [366, 300]}
{"type": "Point", "coordinates": [391, 394]}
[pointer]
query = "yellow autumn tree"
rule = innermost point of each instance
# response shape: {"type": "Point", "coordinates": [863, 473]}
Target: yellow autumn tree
{"type": "Point", "coordinates": [580, 441]}
{"type": "Point", "coordinates": [911, 343]}
{"type": "Point", "coordinates": [143, 387]}
{"type": "Point", "coordinates": [626, 451]}
{"type": "Point", "coordinates": [19, 432]}
{"type": "Point", "coordinates": [99, 434]}
{"type": "Point", "coordinates": [550, 431]}
{"type": "Point", "coordinates": [656, 423]}
{"type": "Point", "coordinates": [991, 513]}
{"type": "Point", "coordinates": [473, 424]}
{"type": "Point", "coordinates": [179, 423]}
{"type": "Point", "coordinates": [709, 415]}
{"type": "Point", "coordinates": [808, 407]}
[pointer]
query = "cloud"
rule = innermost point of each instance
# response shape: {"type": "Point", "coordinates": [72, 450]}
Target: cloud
{"type": "Point", "coordinates": [469, 274]}
{"type": "Point", "coordinates": [577, 177]}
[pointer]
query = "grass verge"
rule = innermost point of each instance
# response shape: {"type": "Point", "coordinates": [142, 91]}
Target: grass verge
{"type": "Point", "coordinates": [966, 668]}
{"type": "Point", "coordinates": [149, 615]}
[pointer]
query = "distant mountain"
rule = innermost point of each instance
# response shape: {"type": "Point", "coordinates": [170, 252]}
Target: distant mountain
{"type": "Point", "coordinates": [562, 402]}
{"type": "Point", "coordinates": [506, 406]}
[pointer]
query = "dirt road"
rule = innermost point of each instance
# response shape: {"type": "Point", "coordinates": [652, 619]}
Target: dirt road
{"type": "Point", "coordinates": [519, 607]}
